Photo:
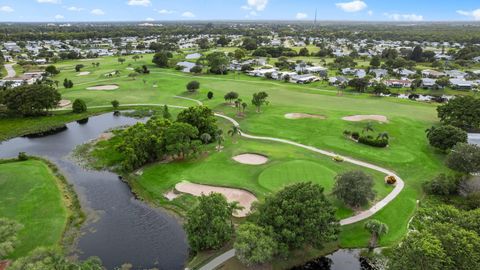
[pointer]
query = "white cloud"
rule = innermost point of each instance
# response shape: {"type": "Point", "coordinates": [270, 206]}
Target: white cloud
{"type": "Point", "coordinates": [253, 13]}
{"type": "Point", "coordinates": [144, 3]}
{"type": "Point", "coordinates": [6, 9]}
{"type": "Point", "coordinates": [301, 16]}
{"type": "Point", "coordinates": [149, 19]}
{"type": "Point", "coordinates": [370, 12]}
{"type": "Point", "coordinates": [188, 14]}
{"type": "Point", "coordinates": [49, 1]}
{"type": "Point", "coordinates": [59, 17]}
{"type": "Point", "coordinates": [353, 6]}
{"type": "Point", "coordinates": [245, 7]}
{"type": "Point", "coordinates": [75, 8]}
{"type": "Point", "coordinates": [404, 17]}
{"type": "Point", "coordinates": [259, 5]}
{"type": "Point", "coordinates": [474, 14]}
{"type": "Point", "coordinates": [97, 12]}
{"type": "Point", "coordinates": [165, 11]}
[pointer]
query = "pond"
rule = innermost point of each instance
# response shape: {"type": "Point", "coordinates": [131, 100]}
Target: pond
{"type": "Point", "coordinates": [342, 259]}
{"type": "Point", "coordinates": [121, 229]}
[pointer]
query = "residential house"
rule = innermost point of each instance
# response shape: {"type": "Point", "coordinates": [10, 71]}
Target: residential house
{"type": "Point", "coordinates": [428, 83]}
{"type": "Point", "coordinates": [398, 83]}
{"type": "Point", "coordinates": [428, 73]}
{"type": "Point", "coordinates": [379, 73]}
{"type": "Point", "coordinates": [460, 84]}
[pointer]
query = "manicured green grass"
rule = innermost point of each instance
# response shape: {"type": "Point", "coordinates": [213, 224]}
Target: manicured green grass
{"type": "Point", "coordinates": [409, 154]}
{"type": "Point", "coordinates": [30, 195]}
{"type": "Point", "coordinates": [286, 165]}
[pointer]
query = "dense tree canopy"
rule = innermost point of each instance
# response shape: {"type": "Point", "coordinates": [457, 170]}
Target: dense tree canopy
{"type": "Point", "coordinates": [254, 245]}
{"type": "Point", "coordinates": [464, 158]}
{"type": "Point", "coordinates": [354, 188]}
{"type": "Point", "coordinates": [161, 59]}
{"type": "Point", "coordinates": [31, 100]}
{"type": "Point", "coordinates": [446, 137]}
{"type": "Point", "coordinates": [208, 224]}
{"type": "Point", "coordinates": [298, 215]}
{"type": "Point", "coordinates": [462, 112]}
{"type": "Point", "coordinates": [200, 117]}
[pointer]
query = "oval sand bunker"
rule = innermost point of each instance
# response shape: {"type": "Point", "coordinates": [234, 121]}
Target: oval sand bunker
{"type": "Point", "coordinates": [83, 73]}
{"type": "Point", "coordinates": [304, 115]}
{"type": "Point", "coordinates": [358, 118]}
{"type": "Point", "coordinates": [103, 87]}
{"type": "Point", "coordinates": [244, 198]}
{"type": "Point", "coordinates": [251, 159]}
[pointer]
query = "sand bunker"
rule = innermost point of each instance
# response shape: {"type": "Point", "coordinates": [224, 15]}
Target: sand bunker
{"type": "Point", "coordinates": [251, 159]}
{"type": "Point", "coordinates": [304, 115]}
{"type": "Point", "coordinates": [358, 118]}
{"type": "Point", "coordinates": [103, 87]}
{"type": "Point", "coordinates": [64, 103]}
{"type": "Point", "coordinates": [83, 73]}
{"type": "Point", "coordinates": [244, 198]}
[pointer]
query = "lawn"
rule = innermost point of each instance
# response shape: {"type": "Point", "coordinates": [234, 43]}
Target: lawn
{"type": "Point", "coordinates": [31, 195]}
{"type": "Point", "coordinates": [409, 154]}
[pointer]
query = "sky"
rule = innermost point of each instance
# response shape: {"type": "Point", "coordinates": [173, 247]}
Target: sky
{"type": "Point", "coordinates": [172, 10]}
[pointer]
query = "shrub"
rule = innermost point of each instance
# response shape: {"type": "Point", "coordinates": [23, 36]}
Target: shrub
{"type": "Point", "coordinates": [210, 95]}
{"type": "Point", "coordinates": [355, 135]}
{"type": "Point", "coordinates": [22, 156]}
{"type": "Point", "coordinates": [369, 140]}
{"type": "Point", "coordinates": [193, 86]}
{"type": "Point", "coordinates": [441, 185]}
{"type": "Point", "coordinates": [391, 180]}
{"type": "Point", "coordinates": [79, 106]}
{"type": "Point", "coordinates": [347, 133]}
{"type": "Point", "coordinates": [338, 159]}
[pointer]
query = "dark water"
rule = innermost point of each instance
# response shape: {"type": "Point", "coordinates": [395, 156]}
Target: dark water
{"type": "Point", "coordinates": [123, 230]}
{"type": "Point", "coordinates": [474, 138]}
{"type": "Point", "coordinates": [342, 259]}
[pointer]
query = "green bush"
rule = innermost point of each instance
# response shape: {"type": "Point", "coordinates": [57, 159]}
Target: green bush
{"type": "Point", "coordinates": [355, 135]}
{"type": "Point", "coordinates": [79, 106]}
{"type": "Point", "coordinates": [368, 140]}
{"type": "Point", "coordinates": [22, 156]}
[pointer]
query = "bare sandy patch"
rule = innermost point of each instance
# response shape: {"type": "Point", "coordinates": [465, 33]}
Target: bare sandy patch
{"type": "Point", "coordinates": [105, 136]}
{"type": "Point", "coordinates": [251, 159]}
{"type": "Point", "coordinates": [64, 103]}
{"type": "Point", "coordinates": [83, 73]}
{"type": "Point", "coordinates": [129, 68]}
{"type": "Point", "coordinates": [103, 87]}
{"type": "Point", "coordinates": [171, 195]}
{"type": "Point", "coordinates": [358, 118]}
{"type": "Point", "coordinates": [304, 115]}
{"type": "Point", "coordinates": [243, 197]}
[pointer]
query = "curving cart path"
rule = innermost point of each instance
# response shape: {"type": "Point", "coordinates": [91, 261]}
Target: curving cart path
{"type": "Point", "coordinates": [214, 263]}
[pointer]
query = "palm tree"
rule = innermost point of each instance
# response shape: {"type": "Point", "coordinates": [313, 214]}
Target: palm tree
{"type": "Point", "coordinates": [383, 136]}
{"type": "Point", "coordinates": [234, 207]}
{"type": "Point", "coordinates": [244, 106]}
{"type": "Point", "coordinates": [376, 229]}
{"type": "Point", "coordinates": [234, 131]}
{"type": "Point", "coordinates": [368, 127]}
{"type": "Point", "coordinates": [220, 139]}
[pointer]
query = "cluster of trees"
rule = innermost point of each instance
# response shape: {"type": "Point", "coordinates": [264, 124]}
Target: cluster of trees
{"type": "Point", "coordinates": [67, 83]}
{"type": "Point", "coordinates": [462, 112]}
{"type": "Point", "coordinates": [446, 137]}
{"type": "Point", "coordinates": [233, 98]}
{"type": "Point", "coordinates": [161, 59]}
{"type": "Point", "coordinates": [274, 52]}
{"type": "Point", "coordinates": [160, 137]}
{"type": "Point", "coordinates": [444, 238]}
{"type": "Point", "coordinates": [297, 216]}
{"type": "Point", "coordinates": [354, 188]}
{"type": "Point", "coordinates": [30, 100]}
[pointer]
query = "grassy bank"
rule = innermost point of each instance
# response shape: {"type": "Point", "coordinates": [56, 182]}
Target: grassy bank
{"type": "Point", "coordinates": [35, 194]}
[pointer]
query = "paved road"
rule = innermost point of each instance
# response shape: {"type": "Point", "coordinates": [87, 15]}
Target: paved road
{"type": "Point", "coordinates": [11, 73]}
{"type": "Point", "coordinates": [216, 262]}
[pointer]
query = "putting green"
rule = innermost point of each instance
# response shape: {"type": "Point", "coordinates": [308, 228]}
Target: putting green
{"type": "Point", "coordinates": [276, 177]}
